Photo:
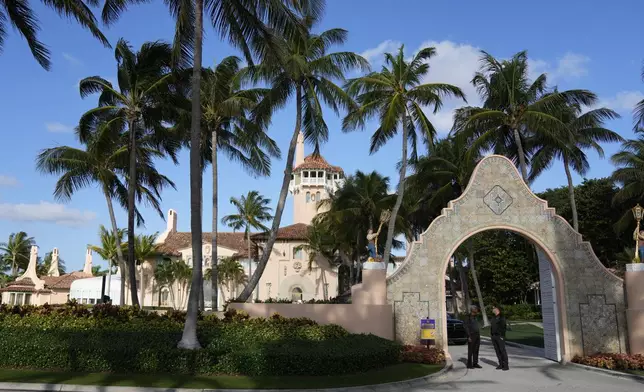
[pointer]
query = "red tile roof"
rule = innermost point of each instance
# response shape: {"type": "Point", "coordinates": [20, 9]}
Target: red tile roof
{"type": "Point", "coordinates": [316, 161]}
{"type": "Point", "coordinates": [297, 231]}
{"type": "Point", "coordinates": [63, 282]}
{"type": "Point", "coordinates": [181, 240]}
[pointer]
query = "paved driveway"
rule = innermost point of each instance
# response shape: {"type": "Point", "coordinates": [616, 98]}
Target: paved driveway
{"type": "Point", "coordinates": [528, 372]}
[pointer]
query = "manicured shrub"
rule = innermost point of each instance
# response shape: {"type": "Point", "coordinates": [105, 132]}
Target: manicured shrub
{"type": "Point", "coordinates": [113, 339]}
{"type": "Point", "coordinates": [612, 361]}
{"type": "Point", "coordinates": [422, 354]}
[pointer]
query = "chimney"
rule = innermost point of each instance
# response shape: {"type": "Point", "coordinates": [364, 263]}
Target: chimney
{"type": "Point", "coordinates": [299, 150]}
{"type": "Point", "coordinates": [53, 268]}
{"type": "Point", "coordinates": [172, 221]}
{"type": "Point", "coordinates": [30, 272]}
{"type": "Point", "coordinates": [88, 262]}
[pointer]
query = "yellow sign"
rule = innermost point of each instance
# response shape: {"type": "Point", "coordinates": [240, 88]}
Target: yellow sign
{"type": "Point", "coordinates": [427, 334]}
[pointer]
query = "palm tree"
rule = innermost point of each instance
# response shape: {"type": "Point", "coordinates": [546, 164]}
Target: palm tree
{"type": "Point", "coordinates": [145, 248]}
{"type": "Point", "coordinates": [17, 251]}
{"type": "Point", "coordinates": [43, 266]}
{"type": "Point", "coordinates": [225, 106]}
{"type": "Point", "coordinates": [629, 174]}
{"type": "Point", "coordinates": [104, 162]}
{"type": "Point", "coordinates": [229, 273]}
{"type": "Point", "coordinates": [514, 109]}
{"type": "Point", "coordinates": [251, 25]}
{"type": "Point", "coordinates": [587, 131]}
{"type": "Point", "coordinates": [397, 97]}
{"type": "Point", "coordinates": [23, 18]}
{"type": "Point", "coordinates": [305, 70]}
{"type": "Point", "coordinates": [138, 105]}
{"type": "Point", "coordinates": [111, 250]}
{"type": "Point", "coordinates": [252, 212]}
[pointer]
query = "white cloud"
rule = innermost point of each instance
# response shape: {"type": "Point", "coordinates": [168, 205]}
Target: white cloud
{"type": "Point", "coordinates": [56, 127]}
{"type": "Point", "coordinates": [623, 101]}
{"type": "Point", "coordinates": [8, 181]}
{"type": "Point", "coordinates": [71, 59]}
{"type": "Point", "coordinates": [375, 56]}
{"type": "Point", "coordinates": [45, 212]}
{"type": "Point", "coordinates": [570, 66]}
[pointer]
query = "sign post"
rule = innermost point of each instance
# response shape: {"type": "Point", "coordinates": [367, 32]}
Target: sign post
{"type": "Point", "coordinates": [428, 332]}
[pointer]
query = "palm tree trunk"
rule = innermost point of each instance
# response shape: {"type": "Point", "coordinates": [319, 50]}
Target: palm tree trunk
{"type": "Point", "coordinates": [571, 193]}
{"type": "Point", "coordinates": [189, 338]}
{"type": "Point", "coordinates": [131, 193]}
{"type": "Point", "coordinates": [215, 213]}
{"type": "Point", "coordinates": [142, 285]}
{"type": "Point", "coordinates": [470, 251]}
{"type": "Point", "coordinates": [524, 167]}
{"type": "Point", "coordinates": [401, 190]}
{"type": "Point", "coordinates": [277, 219]}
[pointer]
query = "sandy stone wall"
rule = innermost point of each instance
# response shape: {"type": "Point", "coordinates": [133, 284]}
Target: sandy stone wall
{"type": "Point", "coordinates": [590, 299]}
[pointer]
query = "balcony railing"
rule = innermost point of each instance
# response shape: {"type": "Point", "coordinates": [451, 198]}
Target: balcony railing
{"type": "Point", "coordinates": [313, 180]}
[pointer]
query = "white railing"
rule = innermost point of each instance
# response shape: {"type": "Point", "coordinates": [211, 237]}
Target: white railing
{"type": "Point", "coordinates": [313, 180]}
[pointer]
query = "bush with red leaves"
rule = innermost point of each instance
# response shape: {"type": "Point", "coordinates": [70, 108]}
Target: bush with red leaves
{"type": "Point", "coordinates": [422, 354]}
{"type": "Point", "coordinates": [612, 361]}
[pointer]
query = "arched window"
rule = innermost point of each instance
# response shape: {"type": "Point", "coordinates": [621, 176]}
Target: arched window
{"type": "Point", "coordinates": [308, 197]}
{"type": "Point", "coordinates": [317, 196]}
{"type": "Point", "coordinates": [296, 294]}
{"type": "Point", "coordinates": [164, 297]}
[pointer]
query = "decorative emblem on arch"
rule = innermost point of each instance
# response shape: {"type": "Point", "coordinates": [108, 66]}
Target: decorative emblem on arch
{"type": "Point", "coordinates": [498, 200]}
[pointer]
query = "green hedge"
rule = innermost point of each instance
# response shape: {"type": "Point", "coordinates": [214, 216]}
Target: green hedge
{"type": "Point", "coordinates": [111, 339]}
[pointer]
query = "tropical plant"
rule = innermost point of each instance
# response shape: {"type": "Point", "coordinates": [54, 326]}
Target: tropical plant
{"type": "Point", "coordinates": [97, 270]}
{"type": "Point", "coordinates": [229, 273]}
{"type": "Point", "coordinates": [104, 161]}
{"type": "Point", "coordinates": [174, 274]}
{"type": "Point", "coordinates": [17, 251]}
{"type": "Point", "coordinates": [109, 248]}
{"type": "Point", "coordinates": [145, 248]}
{"type": "Point", "coordinates": [139, 105]}
{"type": "Point", "coordinates": [23, 18]}
{"type": "Point", "coordinates": [629, 174]}
{"type": "Point", "coordinates": [397, 97]}
{"type": "Point", "coordinates": [225, 107]}
{"type": "Point", "coordinates": [252, 212]}
{"type": "Point", "coordinates": [514, 109]}
{"type": "Point", "coordinates": [306, 70]}
{"type": "Point", "coordinates": [586, 132]}
{"type": "Point", "coordinates": [42, 269]}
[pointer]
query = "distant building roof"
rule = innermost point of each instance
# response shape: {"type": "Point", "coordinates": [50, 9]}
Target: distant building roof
{"type": "Point", "coordinates": [316, 161]}
{"type": "Point", "coordinates": [62, 282]}
{"type": "Point", "coordinates": [181, 240]}
{"type": "Point", "coordinates": [297, 231]}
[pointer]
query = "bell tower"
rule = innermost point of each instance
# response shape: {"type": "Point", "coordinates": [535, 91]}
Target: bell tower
{"type": "Point", "coordinates": [313, 180]}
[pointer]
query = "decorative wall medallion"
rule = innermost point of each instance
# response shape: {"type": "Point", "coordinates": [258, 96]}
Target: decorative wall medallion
{"type": "Point", "coordinates": [498, 200]}
{"type": "Point", "coordinates": [297, 266]}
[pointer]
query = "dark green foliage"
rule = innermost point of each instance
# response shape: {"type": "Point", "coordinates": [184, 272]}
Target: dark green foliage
{"type": "Point", "coordinates": [128, 340]}
{"type": "Point", "coordinates": [597, 216]}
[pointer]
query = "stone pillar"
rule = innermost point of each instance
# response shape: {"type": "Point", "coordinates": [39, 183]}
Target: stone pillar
{"type": "Point", "coordinates": [634, 286]}
{"type": "Point", "coordinates": [373, 290]}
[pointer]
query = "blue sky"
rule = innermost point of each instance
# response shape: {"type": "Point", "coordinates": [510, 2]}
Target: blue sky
{"type": "Point", "coordinates": [577, 44]}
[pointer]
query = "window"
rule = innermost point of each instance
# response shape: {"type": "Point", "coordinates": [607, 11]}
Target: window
{"type": "Point", "coordinates": [298, 254]}
{"type": "Point", "coordinates": [321, 174]}
{"type": "Point", "coordinates": [12, 299]}
{"type": "Point", "coordinates": [84, 301]}
{"type": "Point", "coordinates": [296, 294]}
{"type": "Point", "coordinates": [28, 299]}
{"type": "Point", "coordinates": [317, 196]}
{"type": "Point", "coordinates": [308, 197]}
{"type": "Point", "coordinates": [19, 298]}
{"type": "Point", "coordinates": [164, 297]}
{"type": "Point", "coordinates": [335, 176]}
{"type": "Point", "coordinates": [313, 174]}
{"type": "Point", "coordinates": [328, 176]}
{"type": "Point", "coordinates": [306, 174]}
{"type": "Point", "coordinates": [92, 301]}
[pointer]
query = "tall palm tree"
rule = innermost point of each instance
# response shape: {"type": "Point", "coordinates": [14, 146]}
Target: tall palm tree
{"type": "Point", "coordinates": [17, 251]}
{"type": "Point", "coordinates": [397, 97]}
{"type": "Point", "coordinates": [138, 105]}
{"type": "Point", "coordinates": [145, 248]}
{"type": "Point", "coordinates": [587, 130]}
{"type": "Point", "coordinates": [104, 162]}
{"type": "Point", "coordinates": [225, 107]}
{"type": "Point", "coordinates": [23, 18]}
{"type": "Point", "coordinates": [111, 250]}
{"type": "Point", "coordinates": [629, 174]}
{"type": "Point", "coordinates": [251, 25]}
{"type": "Point", "coordinates": [230, 273]}
{"type": "Point", "coordinates": [304, 70]}
{"type": "Point", "coordinates": [513, 109]}
{"type": "Point", "coordinates": [252, 212]}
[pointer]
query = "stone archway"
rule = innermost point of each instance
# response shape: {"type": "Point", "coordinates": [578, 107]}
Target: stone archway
{"type": "Point", "coordinates": [590, 300]}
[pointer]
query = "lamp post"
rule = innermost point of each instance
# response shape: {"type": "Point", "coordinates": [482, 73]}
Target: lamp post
{"type": "Point", "coordinates": [638, 212]}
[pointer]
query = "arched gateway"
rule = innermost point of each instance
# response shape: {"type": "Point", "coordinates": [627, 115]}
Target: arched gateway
{"type": "Point", "coordinates": [587, 312]}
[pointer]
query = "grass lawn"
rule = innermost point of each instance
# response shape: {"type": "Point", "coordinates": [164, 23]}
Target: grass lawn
{"type": "Point", "coordinates": [636, 372]}
{"type": "Point", "coordinates": [524, 334]}
{"type": "Point", "coordinates": [393, 373]}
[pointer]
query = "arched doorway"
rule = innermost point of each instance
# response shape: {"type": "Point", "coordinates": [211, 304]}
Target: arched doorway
{"type": "Point", "coordinates": [551, 288]}
{"type": "Point", "coordinates": [590, 300]}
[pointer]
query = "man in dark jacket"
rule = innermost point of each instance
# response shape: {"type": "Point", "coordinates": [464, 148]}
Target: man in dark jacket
{"type": "Point", "coordinates": [473, 339]}
{"type": "Point", "coordinates": [497, 331]}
